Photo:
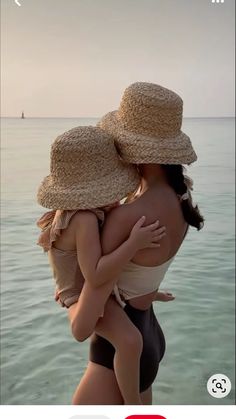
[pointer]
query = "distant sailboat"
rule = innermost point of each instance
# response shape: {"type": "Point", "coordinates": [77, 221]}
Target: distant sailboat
{"type": "Point", "coordinates": [22, 115]}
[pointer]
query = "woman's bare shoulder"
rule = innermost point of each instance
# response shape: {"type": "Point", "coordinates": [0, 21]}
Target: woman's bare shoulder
{"type": "Point", "coordinates": [123, 214]}
{"type": "Point", "coordinates": [118, 225]}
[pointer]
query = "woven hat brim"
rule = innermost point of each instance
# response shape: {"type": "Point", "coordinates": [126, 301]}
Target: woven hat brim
{"type": "Point", "coordinates": [138, 148]}
{"type": "Point", "coordinates": [104, 191]}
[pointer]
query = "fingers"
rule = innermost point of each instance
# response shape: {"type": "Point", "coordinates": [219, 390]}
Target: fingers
{"type": "Point", "coordinates": [170, 299]}
{"type": "Point", "coordinates": [160, 230]}
{"type": "Point", "coordinates": [154, 245]}
{"type": "Point", "coordinates": [155, 227]}
{"type": "Point", "coordinates": [158, 237]}
{"type": "Point", "coordinates": [165, 296]}
{"type": "Point", "coordinates": [152, 226]}
{"type": "Point", "coordinates": [159, 234]}
{"type": "Point", "coordinates": [168, 296]}
{"type": "Point", "coordinates": [140, 222]}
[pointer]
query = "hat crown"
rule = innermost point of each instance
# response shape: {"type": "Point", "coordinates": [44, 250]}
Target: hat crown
{"type": "Point", "coordinates": [81, 155]}
{"type": "Point", "coordinates": [150, 109]}
{"type": "Point", "coordinates": [86, 172]}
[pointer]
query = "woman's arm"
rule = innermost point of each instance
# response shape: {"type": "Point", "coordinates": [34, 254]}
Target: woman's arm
{"type": "Point", "coordinates": [98, 269]}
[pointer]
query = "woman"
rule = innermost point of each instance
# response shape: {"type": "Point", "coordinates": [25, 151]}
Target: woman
{"type": "Point", "coordinates": [84, 161]}
{"type": "Point", "coordinates": [147, 130]}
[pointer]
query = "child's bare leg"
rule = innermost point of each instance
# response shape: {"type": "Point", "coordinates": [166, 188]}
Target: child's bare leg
{"type": "Point", "coordinates": [117, 328]}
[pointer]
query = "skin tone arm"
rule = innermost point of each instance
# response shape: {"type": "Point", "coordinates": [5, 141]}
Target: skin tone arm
{"type": "Point", "coordinates": [98, 269]}
{"type": "Point", "coordinates": [160, 296]}
{"type": "Point", "coordinates": [85, 314]}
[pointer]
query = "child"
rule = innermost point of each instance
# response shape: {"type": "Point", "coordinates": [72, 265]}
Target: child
{"type": "Point", "coordinates": [87, 179]}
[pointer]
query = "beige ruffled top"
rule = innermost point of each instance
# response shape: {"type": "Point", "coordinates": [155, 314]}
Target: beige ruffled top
{"type": "Point", "coordinates": [66, 271]}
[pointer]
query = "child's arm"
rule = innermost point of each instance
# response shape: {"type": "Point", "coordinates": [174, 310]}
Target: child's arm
{"type": "Point", "coordinates": [98, 269]}
{"type": "Point", "coordinates": [90, 306]}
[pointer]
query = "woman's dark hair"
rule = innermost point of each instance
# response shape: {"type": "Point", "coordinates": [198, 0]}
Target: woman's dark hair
{"type": "Point", "coordinates": [181, 185]}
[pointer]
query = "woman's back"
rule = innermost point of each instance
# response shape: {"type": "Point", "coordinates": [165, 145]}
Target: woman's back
{"type": "Point", "coordinates": [158, 202]}
{"type": "Point", "coordinates": [138, 281]}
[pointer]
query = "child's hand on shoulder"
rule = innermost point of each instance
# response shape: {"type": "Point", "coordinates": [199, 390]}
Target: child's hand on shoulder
{"type": "Point", "coordinates": [148, 236]}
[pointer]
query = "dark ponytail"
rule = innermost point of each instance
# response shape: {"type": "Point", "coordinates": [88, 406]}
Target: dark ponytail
{"type": "Point", "coordinates": [181, 185]}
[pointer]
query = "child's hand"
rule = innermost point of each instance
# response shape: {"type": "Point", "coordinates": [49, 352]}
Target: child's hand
{"type": "Point", "coordinates": [146, 237]}
{"type": "Point", "coordinates": [164, 296]}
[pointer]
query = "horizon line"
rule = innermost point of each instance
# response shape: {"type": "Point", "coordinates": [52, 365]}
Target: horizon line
{"type": "Point", "coordinates": [98, 117]}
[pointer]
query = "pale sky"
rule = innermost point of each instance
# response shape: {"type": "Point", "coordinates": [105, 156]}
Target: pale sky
{"type": "Point", "coordinates": [74, 58]}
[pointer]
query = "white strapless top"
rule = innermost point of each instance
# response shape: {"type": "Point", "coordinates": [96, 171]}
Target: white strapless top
{"type": "Point", "coordinates": [136, 280]}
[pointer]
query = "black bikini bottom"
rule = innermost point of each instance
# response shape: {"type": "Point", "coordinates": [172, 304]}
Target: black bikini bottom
{"type": "Point", "coordinates": [102, 352]}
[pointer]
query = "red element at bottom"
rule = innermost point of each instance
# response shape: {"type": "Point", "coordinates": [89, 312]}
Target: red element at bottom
{"type": "Point", "coordinates": [145, 417]}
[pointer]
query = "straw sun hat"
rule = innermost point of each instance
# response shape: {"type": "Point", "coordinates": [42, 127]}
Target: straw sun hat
{"type": "Point", "coordinates": [147, 126]}
{"type": "Point", "coordinates": [86, 172]}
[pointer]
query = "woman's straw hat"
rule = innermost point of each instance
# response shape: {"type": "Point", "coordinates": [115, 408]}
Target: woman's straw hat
{"type": "Point", "coordinates": [86, 172]}
{"type": "Point", "coordinates": [147, 126]}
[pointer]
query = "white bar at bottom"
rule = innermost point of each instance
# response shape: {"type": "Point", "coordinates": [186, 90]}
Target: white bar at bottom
{"type": "Point", "coordinates": [116, 412]}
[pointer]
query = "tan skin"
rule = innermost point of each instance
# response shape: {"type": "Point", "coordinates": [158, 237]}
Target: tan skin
{"type": "Point", "coordinates": [83, 235]}
{"type": "Point", "coordinates": [157, 200]}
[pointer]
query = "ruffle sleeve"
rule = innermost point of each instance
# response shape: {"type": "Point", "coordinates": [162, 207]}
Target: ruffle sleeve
{"type": "Point", "coordinates": [53, 222]}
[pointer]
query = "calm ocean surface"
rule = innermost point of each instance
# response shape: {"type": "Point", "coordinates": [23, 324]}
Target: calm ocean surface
{"type": "Point", "coordinates": [40, 361]}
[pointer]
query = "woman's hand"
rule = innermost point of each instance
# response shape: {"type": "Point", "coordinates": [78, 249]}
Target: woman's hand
{"type": "Point", "coordinates": [146, 237]}
{"type": "Point", "coordinates": [164, 296]}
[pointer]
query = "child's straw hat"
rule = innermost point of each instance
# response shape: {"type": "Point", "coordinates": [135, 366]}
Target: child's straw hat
{"type": "Point", "coordinates": [86, 172]}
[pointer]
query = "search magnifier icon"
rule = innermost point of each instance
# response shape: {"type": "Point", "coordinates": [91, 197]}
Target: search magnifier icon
{"type": "Point", "coordinates": [219, 386]}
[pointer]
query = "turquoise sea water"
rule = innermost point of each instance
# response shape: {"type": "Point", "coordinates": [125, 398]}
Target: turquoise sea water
{"type": "Point", "coordinates": [40, 361]}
